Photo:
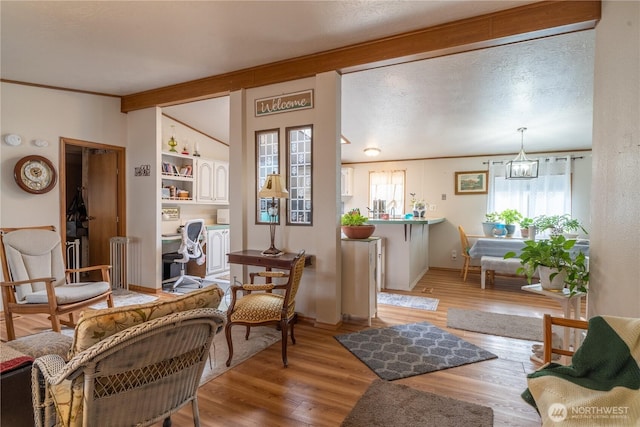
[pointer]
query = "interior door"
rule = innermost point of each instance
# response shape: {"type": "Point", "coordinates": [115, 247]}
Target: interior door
{"type": "Point", "coordinates": [102, 202]}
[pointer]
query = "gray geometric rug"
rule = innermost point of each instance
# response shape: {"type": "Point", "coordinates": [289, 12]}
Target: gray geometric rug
{"type": "Point", "coordinates": [408, 301]}
{"type": "Point", "coordinates": [406, 350]}
{"type": "Point", "coordinates": [386, 404]}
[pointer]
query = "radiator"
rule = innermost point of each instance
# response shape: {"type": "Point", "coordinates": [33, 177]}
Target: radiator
{"type": "Point", "coordinates": [73, 257]}
{"type": "Point", "coordinates": [120, 254]}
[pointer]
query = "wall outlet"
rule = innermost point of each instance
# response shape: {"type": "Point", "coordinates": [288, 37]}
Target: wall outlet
{"type": "Point", "coordinates": [454, 255]}
{"type": "Point", "coordinates": [432, 208]}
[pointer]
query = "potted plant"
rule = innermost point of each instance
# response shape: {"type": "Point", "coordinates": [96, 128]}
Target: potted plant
{"type": "Point", "coordinates": [558, 224]}
{"type": "Point", "coordinates": [553, 261]}
{"type": "Point", "coordinates": [524, 224]}
{"type": "Point", "coordinates": [489, 223]}
{"type": "Point", "coordinates": [354, 225]}
{"type": "Point", "coordinates": [510, 217]}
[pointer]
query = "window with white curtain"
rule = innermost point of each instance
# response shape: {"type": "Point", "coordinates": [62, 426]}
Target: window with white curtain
{"type": "Point", "coordinates": [549, 194]}
{"type": "Point", "coordinates": [388, 186]}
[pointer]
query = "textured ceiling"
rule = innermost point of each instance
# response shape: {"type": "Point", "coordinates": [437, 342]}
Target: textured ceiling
{"type": "Point", "coordinates": [456, 105]}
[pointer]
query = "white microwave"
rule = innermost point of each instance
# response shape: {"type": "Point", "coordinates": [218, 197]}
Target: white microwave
{"type": "Point", "coordinates": [223, 216]}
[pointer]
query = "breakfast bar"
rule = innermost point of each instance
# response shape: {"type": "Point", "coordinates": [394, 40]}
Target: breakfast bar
{"type": "Point", "coordinates": [407, 250]}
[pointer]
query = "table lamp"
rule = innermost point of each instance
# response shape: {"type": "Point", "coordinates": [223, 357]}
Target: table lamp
{"type": "Point", "coordinates": [273, 187]}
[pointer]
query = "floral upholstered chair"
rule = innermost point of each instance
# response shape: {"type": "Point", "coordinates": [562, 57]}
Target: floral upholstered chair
{"type": "Point", "coordinates": [131, 365]}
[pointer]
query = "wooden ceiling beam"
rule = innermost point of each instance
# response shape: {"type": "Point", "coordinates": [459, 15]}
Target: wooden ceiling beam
{"type": "Point", "coordinates": [528, 22]}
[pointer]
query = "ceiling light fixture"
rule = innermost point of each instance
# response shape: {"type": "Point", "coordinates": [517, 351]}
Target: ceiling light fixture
{"type": "Point", "coordinates": [372, 151]}
{"type": "Point", "coordinates": [521, 167]}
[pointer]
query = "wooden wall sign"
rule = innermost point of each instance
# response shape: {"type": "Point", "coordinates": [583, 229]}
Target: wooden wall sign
{"type": "Point", "coordinates": [284, 103]}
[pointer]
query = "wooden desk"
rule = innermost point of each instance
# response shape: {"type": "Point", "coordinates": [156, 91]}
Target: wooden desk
{"type": "Point", "coordinates": [255, 257]}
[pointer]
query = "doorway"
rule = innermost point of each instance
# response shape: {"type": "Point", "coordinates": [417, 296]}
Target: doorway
{"type": "Point", "coordinates": [92, 191]}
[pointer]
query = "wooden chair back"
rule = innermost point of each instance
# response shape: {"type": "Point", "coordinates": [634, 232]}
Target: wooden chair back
{"type": "Point", "coordinates": [548, 323]}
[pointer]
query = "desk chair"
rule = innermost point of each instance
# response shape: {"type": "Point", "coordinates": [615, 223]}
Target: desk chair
{"type": "Point", "coordinates": [190, 249]}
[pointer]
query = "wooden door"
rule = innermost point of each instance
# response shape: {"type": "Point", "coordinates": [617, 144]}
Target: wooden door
{"type": "Point", "coordinates": [102, 202]}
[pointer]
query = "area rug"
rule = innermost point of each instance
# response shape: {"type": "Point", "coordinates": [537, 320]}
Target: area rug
{"type": "Point", "coordinates": [504, 325]}
{"type": "Point", "coordinates": [122, 297]}
{"type": "Point", "coordinates": [407, 350]}
{"type": "Point", "coordinates": [409, 301]}
{"type": "Point", "coordinates": [260, 338]}
{"type": "Point", "coordinates": [386, 404]}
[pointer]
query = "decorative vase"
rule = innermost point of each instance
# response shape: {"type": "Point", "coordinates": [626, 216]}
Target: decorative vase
{"type": "Point", "coordinates": [487, 228]}
{"type": "Point", "coordinates": [358, 231]}
{"type": "Point", "coordinates": [511, 228]}
{"type": "Point", "coordinates": [499, 230]}
{"type": "Point", "coordinates": [557, 283]}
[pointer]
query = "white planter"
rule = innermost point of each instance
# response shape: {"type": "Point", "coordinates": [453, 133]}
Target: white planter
{"type": "Point", "coordinates": [558, 281]}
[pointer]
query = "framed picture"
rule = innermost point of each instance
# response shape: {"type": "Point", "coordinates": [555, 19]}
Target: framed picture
{"type": "Point", "coordinates": [473, 182]}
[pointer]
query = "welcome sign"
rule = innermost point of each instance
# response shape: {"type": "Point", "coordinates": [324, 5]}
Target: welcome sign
{"type": "Point", "coordinates": [284, 103]}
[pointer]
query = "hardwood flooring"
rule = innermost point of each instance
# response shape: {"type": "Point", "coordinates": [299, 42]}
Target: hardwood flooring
{"type": "Point", "coordinates": [324, 381]}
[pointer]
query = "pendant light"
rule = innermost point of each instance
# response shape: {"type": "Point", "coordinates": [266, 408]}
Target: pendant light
{"type": "Point", "coordinates": [521, 167]}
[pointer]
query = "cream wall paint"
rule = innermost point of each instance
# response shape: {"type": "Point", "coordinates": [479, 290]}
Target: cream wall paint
{"type": "Point", "coordinates": [143, 197]}
{"type": "Point", "coordinates": [39, 113]}
{"type": "Point", "coordinates": [431, 178]}
{"type": "Point", "coordinates": [615, 207]}
{"type": "Point", "coordinates": [318, 297]}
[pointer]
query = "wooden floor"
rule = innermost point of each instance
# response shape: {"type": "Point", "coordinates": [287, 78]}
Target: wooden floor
{"type": "Point", "coordinates": [324, 381]}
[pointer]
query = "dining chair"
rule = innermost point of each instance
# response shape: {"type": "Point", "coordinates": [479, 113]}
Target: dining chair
{"type": "Point", "coordinates": [259, 306]}
{"type": "Point", "coordinates": [36, 280]}
{"type": "Point", "coordinates": [465, 246]}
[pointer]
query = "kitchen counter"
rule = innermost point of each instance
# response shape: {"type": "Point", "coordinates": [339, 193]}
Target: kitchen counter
{"type": "Point", "coordinates": [406, 221]}
{"type": "Point", "coordinates": [406, 248]}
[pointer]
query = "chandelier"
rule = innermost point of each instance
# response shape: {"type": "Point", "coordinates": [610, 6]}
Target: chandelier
{"type": "Point", "coordinates": [521, 167]}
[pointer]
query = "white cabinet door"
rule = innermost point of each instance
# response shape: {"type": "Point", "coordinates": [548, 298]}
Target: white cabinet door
{"type": "Point", "coordinates": [221, 182]}
{"type": "Point", "coordinates": [204, 181]}
{"type": "Point", "coordinates": [217, 249]}
{"type": "Point", "coordinates": [346, 182]}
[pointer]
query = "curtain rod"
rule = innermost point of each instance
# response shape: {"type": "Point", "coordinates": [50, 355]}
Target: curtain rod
{"type": "Point", "coordinates": [545, 159]}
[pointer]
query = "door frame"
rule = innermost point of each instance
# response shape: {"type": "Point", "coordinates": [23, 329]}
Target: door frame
{"type": "Point", "coordinates": [121, 184]}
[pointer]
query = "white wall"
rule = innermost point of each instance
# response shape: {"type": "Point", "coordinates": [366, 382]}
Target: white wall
{"type": "Point", "coordinates": [615, 207]}
{"type": "Point", "coordinates": [318, 296]}
{"type": "Point", "coordinates": [39, 113]}
{"type": "Point", "coordinates": [430, 179]}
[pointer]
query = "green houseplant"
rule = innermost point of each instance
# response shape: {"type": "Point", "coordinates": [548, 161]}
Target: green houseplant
{"type": "Point", "coordinates": [354, 225]}
{"type": "Point", "coordinates": [510, 217]}
{"type": "Point", "coordinates": [524, 224]}
{"type": "Point", "coordinates": [555, 264]}
{"type": "Point", "coordinates": [558, 224]}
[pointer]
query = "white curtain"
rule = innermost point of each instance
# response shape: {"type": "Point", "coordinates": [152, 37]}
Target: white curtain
{"type": "Point", "coordinates": [388, 186]}
{"type": "Point", "coordinates": [549, 194]}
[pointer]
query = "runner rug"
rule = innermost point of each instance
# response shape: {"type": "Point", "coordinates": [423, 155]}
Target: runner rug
{"type": "Point", "coordinates": [387, 404]}
{"type": "Point", "coordinates": [407, 350]}
{"type": "Point", "coordinates": [408, 301]}
{"type": "Point", "coordinates": [504, 325]}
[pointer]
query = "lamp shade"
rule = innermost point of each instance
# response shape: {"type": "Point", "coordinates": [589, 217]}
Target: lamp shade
{"type": "Point", "coordinates": [274, 187]}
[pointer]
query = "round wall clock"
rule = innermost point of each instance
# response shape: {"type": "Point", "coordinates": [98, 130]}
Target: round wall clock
{"type": "Point", "coordinates": [35, 174]}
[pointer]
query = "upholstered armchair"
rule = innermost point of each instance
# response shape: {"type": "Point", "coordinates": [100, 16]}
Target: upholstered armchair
{"type": "Point", "coordinates": [131, 365]}
{"type": "Point", "coordinates": [36, 280]}
{"type": "Point", "coordinates": [259, 306]}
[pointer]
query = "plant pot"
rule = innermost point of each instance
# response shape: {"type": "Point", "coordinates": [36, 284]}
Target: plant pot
{"type": "Point", "coordinates": [487, 228]}
{"type": "Point", "coordinates": [551, 285]}
{"type": "Point", "coordinates": [358, 231]}
{"type": "Point", "coordinates": [524, 233]}
{"type": "Point", "coordinates": [511, 228]}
